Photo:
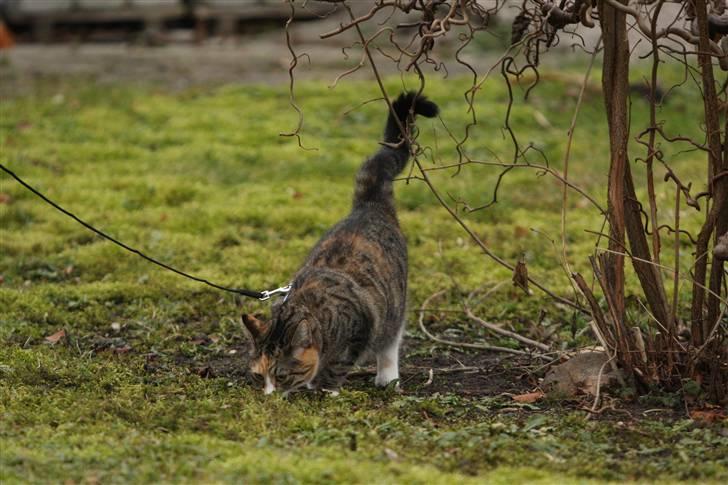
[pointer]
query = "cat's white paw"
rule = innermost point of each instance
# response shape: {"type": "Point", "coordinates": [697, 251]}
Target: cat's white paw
{"type": "Point", "coordinates": [386, 376]}
{"type": "Point", "coordinates": [331, 392]}
{"type": "Point", "coordinates": [388, 363]}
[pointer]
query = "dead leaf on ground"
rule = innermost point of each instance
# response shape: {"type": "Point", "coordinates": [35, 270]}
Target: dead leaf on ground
{"type": "Point", "coordinates": [121, 350]}
{"type": "Point", "coordinates": [53, 339]}
{"type": "Point", "coordinates": [708, 415]}
{"type": "Point", "coordinates": [529, 397]}
{"type": "Point", "coordinates": [520, 276]}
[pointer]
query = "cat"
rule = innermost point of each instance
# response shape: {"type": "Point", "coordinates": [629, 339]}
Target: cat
{"type": "Point", "coordinates": [348, 299]}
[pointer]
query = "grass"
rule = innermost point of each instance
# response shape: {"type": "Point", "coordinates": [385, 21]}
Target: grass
{"type": "Point", "coordinates": [202, 180]}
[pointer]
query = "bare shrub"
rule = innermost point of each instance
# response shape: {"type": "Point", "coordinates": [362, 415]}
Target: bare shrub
{"type": "Point", "coordinates": [670, 346]}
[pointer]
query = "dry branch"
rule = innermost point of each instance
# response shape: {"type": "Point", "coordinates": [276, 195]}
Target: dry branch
{"type": "Point", "coordinates": [465, 345]}
{"type": "Point", "coordinates": [506, 333]}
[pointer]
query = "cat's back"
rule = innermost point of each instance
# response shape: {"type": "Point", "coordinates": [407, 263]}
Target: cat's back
{"type": "Point", "coordinates": [367, 244]}
{"type": "Point", "coordinates": [355, 279]}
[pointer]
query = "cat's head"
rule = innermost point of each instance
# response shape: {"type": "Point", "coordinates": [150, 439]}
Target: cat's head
{"type": "Point", "coordinates": [284, 352]}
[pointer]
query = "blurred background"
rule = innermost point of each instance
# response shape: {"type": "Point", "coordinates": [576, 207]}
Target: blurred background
{"type": "Point", "coordinates": [187, 42]}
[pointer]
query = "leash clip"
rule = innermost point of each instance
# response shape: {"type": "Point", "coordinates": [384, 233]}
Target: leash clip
{"type": "Point", "coordinates": [268, 293]}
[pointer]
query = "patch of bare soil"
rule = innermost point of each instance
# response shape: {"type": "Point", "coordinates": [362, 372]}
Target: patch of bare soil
{"type": "Point", "coordinates": [468, 375]}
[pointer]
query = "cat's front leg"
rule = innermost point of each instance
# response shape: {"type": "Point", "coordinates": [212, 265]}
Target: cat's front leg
{"type": "Point", "coordinates": [332, 377]}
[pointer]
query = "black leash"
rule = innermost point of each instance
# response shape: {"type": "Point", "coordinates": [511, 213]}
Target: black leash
{"type": "Point", "coordinates": [260, 295]}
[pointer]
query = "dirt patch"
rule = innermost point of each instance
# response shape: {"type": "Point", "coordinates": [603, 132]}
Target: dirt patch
{"type": "Point", "coordinates": [467, 375]}
{"type": "Point", "coordinates": [471, 374]}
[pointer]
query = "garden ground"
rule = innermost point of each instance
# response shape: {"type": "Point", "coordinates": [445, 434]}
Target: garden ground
{"type": "Point", "coordinates": [114, 371]}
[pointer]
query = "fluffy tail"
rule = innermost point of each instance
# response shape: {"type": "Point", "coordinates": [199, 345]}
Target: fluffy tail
{"type": "Point", "coordinates": [374, 181]}
{"type": "Point", "coordinates": [405, 104]}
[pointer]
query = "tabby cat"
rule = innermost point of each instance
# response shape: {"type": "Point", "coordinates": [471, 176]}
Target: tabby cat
{"type": "Point", "coordinates": [348, 299]}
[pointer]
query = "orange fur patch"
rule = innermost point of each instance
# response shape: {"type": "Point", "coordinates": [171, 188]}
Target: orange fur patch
{"type": "Point", "coordinates": [261, 365]}
{"type": "Point", "coordinates": [309, 357]}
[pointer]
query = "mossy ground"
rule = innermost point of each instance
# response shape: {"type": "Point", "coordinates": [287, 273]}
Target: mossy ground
{"type": "Point", "coordinates": [149, 382]}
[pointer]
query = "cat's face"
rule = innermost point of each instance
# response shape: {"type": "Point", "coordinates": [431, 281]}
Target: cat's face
{"type": "Point", "coordinates": [284, 357]}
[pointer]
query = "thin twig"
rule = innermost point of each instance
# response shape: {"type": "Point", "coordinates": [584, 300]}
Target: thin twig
{"type": "Point", "coordinates": [502, 331]}
{"type": "Point", "coordinates": [466, 345]}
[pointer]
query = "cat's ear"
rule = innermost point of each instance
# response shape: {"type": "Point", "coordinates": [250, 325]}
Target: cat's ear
{"type": "Point", "coordinates": [303, 348]}
{"type": "Point", "coordinates": [302, 343]}
{"type": "Point", "coordinates": [303, 336]}
{"type": "Point", "coordinates": [256, 327]}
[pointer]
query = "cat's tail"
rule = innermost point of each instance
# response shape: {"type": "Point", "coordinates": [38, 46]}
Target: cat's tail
{"type": "Point", "coordinates": [405, 104]}
{"type": "Point", "coordinates": [374, 181]}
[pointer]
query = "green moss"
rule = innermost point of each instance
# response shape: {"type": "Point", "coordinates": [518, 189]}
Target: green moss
{"type": "Point", "coordinates": [202, 180]}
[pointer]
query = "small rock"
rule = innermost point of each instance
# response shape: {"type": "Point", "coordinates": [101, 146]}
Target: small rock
{"type": "Point", "coordinates": [391, 454]}
{"type": "Point", "coordinates": [580, 374]}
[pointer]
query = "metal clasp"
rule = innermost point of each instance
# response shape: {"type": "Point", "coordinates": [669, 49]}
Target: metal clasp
{"type": "Point", "coordinates": [268, 293]}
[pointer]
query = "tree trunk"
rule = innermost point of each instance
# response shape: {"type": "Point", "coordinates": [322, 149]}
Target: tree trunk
{"type": "Point", "coordinates": [716, 222]}
{"type": "Point", "coordinates": [615, 84]}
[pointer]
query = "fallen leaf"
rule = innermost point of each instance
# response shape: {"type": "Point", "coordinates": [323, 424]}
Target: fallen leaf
{"type": "Point", "coordinates": [529, 397]}
{"type": "Point", "coordinates": [520, 276]}
{"type": "Point", "coordinates": [53, 339]}
{"type": "Point", "coordinates": [708, 415]}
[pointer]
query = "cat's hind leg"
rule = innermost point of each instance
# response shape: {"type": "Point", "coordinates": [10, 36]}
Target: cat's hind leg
{"type": "Point", "coordinates": [388, 362]}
